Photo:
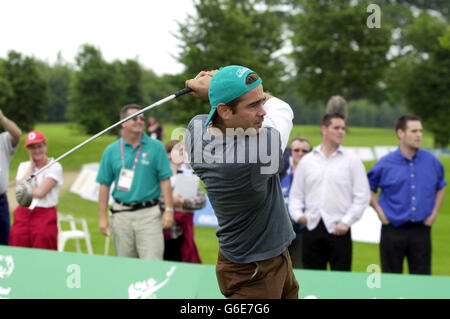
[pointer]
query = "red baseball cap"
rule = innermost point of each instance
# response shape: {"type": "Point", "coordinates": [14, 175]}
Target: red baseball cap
{"type": "Point", "coordinates": [34, 137]}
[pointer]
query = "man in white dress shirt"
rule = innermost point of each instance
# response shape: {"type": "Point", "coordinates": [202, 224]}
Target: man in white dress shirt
{"type": "Point", "coordinates": [9, 141]}
{"type": "Point", "coordinates": [329, 193]}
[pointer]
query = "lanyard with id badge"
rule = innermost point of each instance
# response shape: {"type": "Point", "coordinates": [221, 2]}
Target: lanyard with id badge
{"type": "Point", "coordinates": [126, 175]}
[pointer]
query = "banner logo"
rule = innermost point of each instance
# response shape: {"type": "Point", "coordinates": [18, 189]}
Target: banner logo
{"type": "Point", "coordinates": [147, 289]}
{"type": "Point", "coordinates": [6, 269]}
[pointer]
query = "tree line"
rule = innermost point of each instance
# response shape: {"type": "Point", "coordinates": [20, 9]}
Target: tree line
{"type": "Point", "coordinates": [386, 61]}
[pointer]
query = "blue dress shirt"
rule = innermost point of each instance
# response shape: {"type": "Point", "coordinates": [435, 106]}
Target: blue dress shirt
{"type": "Point", "coordinates": [286, 183]}
{"type": "Point", "coordinates": [408, 187]}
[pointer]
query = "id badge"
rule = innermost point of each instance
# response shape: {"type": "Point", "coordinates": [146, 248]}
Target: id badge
{"type": "Point", "coordinates": [125, 179]}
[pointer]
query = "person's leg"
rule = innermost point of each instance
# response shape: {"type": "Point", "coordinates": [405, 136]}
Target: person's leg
{"type": "Point", "coordinates": [341, 252]}
{"type": "Point", "coordinates": [267, 279]}
{"type": "Point", "coordinates": [44, 228]}
{"type": "Point", "coordinates": [232, 277]}
{"type": "Point", "coordinates": [4, 220]}
{"type": "Point", "coordinates": [295, 251]}
{"type": "Point", "coordinates": [419, 250]}
{"type": "Point", "coordinates": [148, 229]}
{"type": "Point", "coordinates": [172, 248]}
{"type": "Point", "coordinates": [189, 249]}
{"type": "Point", "coordinates": [314, 247]}
{"type": "Point", "coordinates": [123, 235]}
{"type": "Point", "coordinates": [393, 245]}
{"type": "Point", "coordinates": [19, 234]}
{"type": "Point", "coordinates": [291, 285]}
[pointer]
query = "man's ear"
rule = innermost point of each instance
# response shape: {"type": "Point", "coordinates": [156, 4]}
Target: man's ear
{"type": "Point", "coordinates": [323, 129]}
{"type": "Point", "coordinates": [400, 133]}
{"type": "Point", "coordinates": [224, 111]}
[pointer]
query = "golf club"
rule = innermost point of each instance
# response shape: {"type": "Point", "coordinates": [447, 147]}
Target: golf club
{"type": "Point", "coordinates": [24, 191]}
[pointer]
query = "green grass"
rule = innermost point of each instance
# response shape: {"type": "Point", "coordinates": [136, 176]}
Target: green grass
{"type": "Point", "coordinates": [357, 136]}
{"type": "Point", "coordinates": [63, 137]}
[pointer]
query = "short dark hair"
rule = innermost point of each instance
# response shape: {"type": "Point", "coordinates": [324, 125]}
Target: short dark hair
{"type": "Point", "coordinates": [124, 110]}
{"type": "Point", "coordinates": [170, 145]}
{"type": "Point", "coordinates": [301, 139]}
{"type": "Point", "coordinates": [251, 78]}
{"type": "Point", "coordinates": [402, 121]}
{"type": "Point", "coordinates": [326, 119]}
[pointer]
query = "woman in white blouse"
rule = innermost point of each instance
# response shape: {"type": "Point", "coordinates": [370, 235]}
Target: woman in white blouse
{"type": "Point", "coordinates": [36, 226]}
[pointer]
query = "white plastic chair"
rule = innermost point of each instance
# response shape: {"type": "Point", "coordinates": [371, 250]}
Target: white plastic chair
{"type": "Point", "coordinates": [73, 233]}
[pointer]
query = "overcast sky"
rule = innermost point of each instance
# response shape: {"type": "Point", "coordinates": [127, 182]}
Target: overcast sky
{"type": "Point", "coordinates": [121, 29]}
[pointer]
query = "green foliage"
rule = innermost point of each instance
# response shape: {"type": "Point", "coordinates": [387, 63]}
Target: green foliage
{"type": "Point", "coordinates": [396, 14]}
{"type": "Point", "coordinates": [59, 79]}
{"type": "Point", "coordinates": [427, 95]}
{"type": "Point", "coordinates": [365, 113]}
{"type": "Point", "coordinates": [180, 110]}
{"type": "Point", "coordinates": [132, 73]}
{"type": "Point", "coordinates": [382, 72]}
{"type": "Point", "coordinates": [336, 53]}
{"type": "Point", "coordinates": [423, 75]}
{"type": "Point", "coordinates": [441, 6]}
{"type": "Point", "coordinates": [96, 91]}
{"type": "Point", "coordinates": [100, 89]}
{"type": "Point", "coordinates": [23, 91]}
{"type": "Point", "coordinates": [6, 91]}
{"type": "Point", "coordinates": [362, 112]}
{"type": "Point", "coordinates": [424, 32]}
{"type": "Point", "coordinates": [226, 32]}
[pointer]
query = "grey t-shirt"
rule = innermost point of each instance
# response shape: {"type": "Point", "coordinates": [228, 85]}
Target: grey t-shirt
{"type": "Point", "coordinates": [6, 151]}
{"type": "Point", "coordinates": [243, 186]}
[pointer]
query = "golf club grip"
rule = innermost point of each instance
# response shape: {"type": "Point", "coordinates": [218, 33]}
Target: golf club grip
{"type": "Point", "coordinates": [182, 92]}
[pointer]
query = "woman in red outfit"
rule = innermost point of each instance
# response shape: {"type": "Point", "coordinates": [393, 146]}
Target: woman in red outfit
{"type": "Point", "coordinates": [36, 226]}
{"type": "Point", "coordinates": [187, 196]}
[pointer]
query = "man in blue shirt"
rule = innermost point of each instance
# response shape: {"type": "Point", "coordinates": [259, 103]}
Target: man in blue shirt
{"type": "Point", "coordinates": [140, 169]}
{"type": "Point", "coordinates": [412, 189]}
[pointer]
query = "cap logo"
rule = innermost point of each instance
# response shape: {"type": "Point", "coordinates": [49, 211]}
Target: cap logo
{"type": "Point", "coordinates": [31, 136]}
{"type": "Point", "coordinates": [240, 72]}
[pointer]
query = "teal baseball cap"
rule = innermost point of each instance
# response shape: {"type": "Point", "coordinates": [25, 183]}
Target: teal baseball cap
{"type": "Point", "coordinates": [227, 85]}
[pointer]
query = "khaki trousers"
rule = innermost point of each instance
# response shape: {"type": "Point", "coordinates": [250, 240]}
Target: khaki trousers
{"type": "Point", "coordinates": [267, 279]}
{"type": "Point", "coordinates": [138, 233]}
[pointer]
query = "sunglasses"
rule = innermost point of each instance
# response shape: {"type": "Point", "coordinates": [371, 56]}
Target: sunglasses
{"type": "Point", "coordinates": [138, 118]}
{"type": "Point", "coordinates": [296, 150]}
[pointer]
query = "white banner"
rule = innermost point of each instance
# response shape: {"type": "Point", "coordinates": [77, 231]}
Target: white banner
{"type": "Point", "coordinates": [85, 184]}
{"type": "Point", "coordinates": [364, 153]}
{"type": "Point", "coordinates": [368, 228]}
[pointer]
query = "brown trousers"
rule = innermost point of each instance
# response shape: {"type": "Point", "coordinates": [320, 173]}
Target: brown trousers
{"type": "Point", "coordinates": [266, 279]}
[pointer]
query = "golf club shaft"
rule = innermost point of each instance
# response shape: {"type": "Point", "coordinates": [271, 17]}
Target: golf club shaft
{"type": "Point", "coordinates": [170, 97]}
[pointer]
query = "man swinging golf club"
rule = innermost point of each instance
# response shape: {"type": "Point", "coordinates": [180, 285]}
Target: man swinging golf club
{"type": "Point", "coordinates": [254, 228]}
{"type": "Point", "coordinates": [237, 150]}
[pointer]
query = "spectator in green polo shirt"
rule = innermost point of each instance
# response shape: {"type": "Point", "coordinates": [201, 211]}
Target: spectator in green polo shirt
{"type": "Point", "coordinates": [140, 170]}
